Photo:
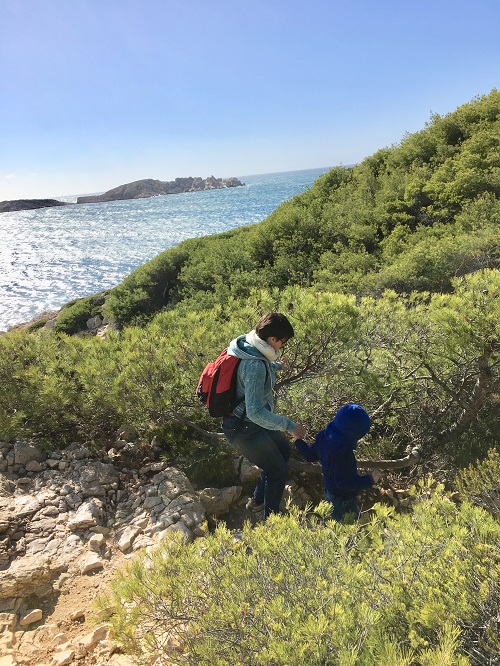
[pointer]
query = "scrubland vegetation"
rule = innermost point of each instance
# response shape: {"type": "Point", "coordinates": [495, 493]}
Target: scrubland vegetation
{"type": "Point", "coordinates": [415, 588]}
{"type": "Point", "coordinates": [389, 272]}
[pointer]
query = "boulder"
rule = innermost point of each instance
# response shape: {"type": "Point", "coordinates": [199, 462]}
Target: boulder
{"type": "Point", "coordinates": [217, 501]}
{"type": "Point", "coordinates": [25, 452]}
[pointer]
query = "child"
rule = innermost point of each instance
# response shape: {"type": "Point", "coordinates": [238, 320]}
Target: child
{"type": "Point", "coordinates": [334, 447]}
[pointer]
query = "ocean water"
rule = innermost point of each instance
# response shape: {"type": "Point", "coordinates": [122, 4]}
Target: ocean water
{"type": "Point", "coordinates": [50, 256]}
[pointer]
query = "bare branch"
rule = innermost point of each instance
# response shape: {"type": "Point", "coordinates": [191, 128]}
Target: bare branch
{"type": "Point", "coordinates": [443, 385]}
{"type": "Point", "coordinates": [411, 459]}
{"type": "Point", "coordinates": [315, 468]}
{"type": "Point", "coordinates": [382, 409]}
{"type": "Point", "coordinates": [312, 365]}
{"type": "Point", "coordinates": [207, 433]}
{"type": "Point", "coordinates": [472, 406]}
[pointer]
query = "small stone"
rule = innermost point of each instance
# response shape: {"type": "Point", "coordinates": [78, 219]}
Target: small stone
{"type": "Point", "coordinates": [99, 634]}
{"type": "Point", "coordinates": [62, 658]}
{"type": "Point", "coordinates": [96, 542]}
{"type": "Point", "coordinates": [178, 527]}
{"type": "Point", "coordinates": [61, 580]}
{"type": "Point", "coordinates": [25, 451]}
{"type": "Point", "coordinates": [33, 616]}
{"type": "Point", "coordinates": [34, 466]}
{"type": "Point", "coordinates": [91, 562]}
{"type": "Point", "coordinates": [59, 639]}
{"type": "Point", "coordinates": [127, 537]}
{"type": "Point", "coordinates": [76, 615]}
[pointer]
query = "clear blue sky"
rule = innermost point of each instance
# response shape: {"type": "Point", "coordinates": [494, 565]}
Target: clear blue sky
{"type": "Point", "coordinates": [96, 93]}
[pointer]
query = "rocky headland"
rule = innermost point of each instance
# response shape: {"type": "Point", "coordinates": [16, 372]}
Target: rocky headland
{"type": "Point", "coordinates": [142, 189]}
{"type": "Point", "coordinates": [139, 189]}
{"type": "Point", "coordinates": [29, 204]}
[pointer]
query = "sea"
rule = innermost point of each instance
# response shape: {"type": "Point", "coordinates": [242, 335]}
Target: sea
{"type": "Point", "coordinates": [50, 256]}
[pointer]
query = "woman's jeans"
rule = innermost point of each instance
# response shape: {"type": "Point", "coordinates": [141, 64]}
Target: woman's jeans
{"type": "Point", "coordinates": [269, 450]}
{"type": "Point", "coordinates": [341, 508]}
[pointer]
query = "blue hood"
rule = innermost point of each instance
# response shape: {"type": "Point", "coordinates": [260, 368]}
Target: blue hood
{"type": "Point", "coordinates": [350, 424]}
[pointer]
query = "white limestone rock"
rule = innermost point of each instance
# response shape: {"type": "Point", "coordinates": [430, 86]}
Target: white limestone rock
{"type": "Point", "coordinates": [217, 501]}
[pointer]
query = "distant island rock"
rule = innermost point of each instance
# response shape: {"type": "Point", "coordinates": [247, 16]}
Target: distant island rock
{"type": "Point", "coordinates": [29, 204]}
{"type": "Point", "coordinates": [142, 189]}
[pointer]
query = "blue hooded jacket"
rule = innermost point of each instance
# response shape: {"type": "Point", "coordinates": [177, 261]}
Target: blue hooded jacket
{"type": "Point", "coordinates": [334, 447]}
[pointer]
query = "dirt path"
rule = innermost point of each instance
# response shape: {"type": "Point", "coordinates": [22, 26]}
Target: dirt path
{"type": "Point", "coordinates": [65, 624]}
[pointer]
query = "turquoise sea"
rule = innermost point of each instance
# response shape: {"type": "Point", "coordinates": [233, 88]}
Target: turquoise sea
{"type": "Point", "coordinates": [50, 256]}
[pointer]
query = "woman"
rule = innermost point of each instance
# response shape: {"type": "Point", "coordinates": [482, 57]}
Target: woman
{"type": "Point", "coordinates": [253, 428]}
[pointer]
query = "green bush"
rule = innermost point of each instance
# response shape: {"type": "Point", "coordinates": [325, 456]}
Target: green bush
{"type": "Point", "coordinates": [73, 316]}
{"type": "Point", "coordinates": [41, 396]}
{"type": "Point", "coordinates": [36, 325]}
{"type": "Point", "coordinates": [480, 483]}
{"type": "Point", "coordinates": [430, 359]}
{"type": "Point", "coordinates": [400, 590]}
{"type": "Point", "coordinates": [410, 217]}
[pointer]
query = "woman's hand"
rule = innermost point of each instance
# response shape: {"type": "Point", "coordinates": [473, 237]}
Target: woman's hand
{"type": "Point", "coordinates": [285, 366]}
{"type": "Point", "coordinates": [299, 432]}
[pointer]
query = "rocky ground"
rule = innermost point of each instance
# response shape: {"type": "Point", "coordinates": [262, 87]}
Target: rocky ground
{"type": "Point", "coordinates": [69, 519]}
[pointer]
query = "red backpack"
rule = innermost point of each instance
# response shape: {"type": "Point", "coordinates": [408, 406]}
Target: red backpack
{"type": "Point", "coordinates": [216, 387]}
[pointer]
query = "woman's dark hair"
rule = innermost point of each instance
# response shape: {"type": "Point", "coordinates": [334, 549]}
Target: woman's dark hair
{"type": "Point", "coordinates": [274, 325]}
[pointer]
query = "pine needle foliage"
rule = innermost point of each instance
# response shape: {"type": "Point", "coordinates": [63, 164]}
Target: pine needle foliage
{"type": "Point", "coordinates": [480, 482]}
{"type": "Point", "coordinates": [409, 218]}
{"type": "Point", "coordinates": [398, 590]}
{"type": "Point", "coordinates": [432, 360]}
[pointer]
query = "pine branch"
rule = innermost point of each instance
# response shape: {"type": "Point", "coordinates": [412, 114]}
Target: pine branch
{"type": "Point", "coordinates": [315, 468]}
{"type": "Point", "coordinates": [471, 406]}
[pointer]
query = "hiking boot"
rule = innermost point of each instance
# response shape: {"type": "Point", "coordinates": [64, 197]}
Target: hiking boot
{"type": "Point", "coordinates": [252, 505]}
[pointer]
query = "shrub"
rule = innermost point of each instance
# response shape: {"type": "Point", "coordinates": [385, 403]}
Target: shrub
{"type": "Point", "coordinates": [397, 591]}
{"type": "Point", "coordinates": [73, 316]}
{"type": "Point", "coordinates": [480, 483]}
{"type": "Point", "coordinates": [36, 325]}
{"type": "Point", "coordinates": [41, 396]}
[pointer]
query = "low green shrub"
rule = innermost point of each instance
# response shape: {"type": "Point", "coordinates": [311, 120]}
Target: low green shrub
{"type": "Point", "coordinates": [73, 316]}
{"type": "Point", "coordinates": [400, 590]}
{"type": "Point", "coordinates": [149, 288]}
{"type": "Point", "coordinates": [36, 325]}
{"type": "Point", "coordinates": [480, 482]}
{"type": "Point", "coordinates": [414, 361]}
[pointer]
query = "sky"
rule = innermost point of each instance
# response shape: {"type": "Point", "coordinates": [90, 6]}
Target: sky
{"type": "Point", "coordinates": [97, 93]}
